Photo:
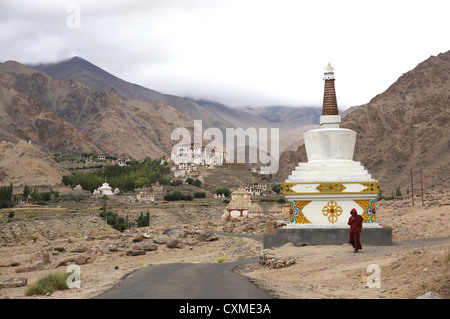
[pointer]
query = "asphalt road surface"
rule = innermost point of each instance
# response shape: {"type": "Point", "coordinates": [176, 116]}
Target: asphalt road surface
{"type": "Point", "coordinates": [186, 281]}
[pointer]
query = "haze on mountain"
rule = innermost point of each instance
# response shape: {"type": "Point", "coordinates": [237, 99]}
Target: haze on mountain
{"type": "Point", "coordinates": [291, 121]}
{"type": "Point", "coordinates": [212, 114]}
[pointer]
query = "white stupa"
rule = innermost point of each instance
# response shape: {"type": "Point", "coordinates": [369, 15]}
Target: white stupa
{"type": "Point", "coordinates": [105, 189]}
{"type": "Point", "coordinates": [323, 190]}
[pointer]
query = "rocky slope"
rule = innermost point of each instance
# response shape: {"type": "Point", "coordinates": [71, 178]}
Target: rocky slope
{"type": "Point", "coordinates": [27, 164]}
{"type": "Point", "coordinates": [406, 127]}
{"type": "Point", "coordinates": [115, 126]}
{"type": "Point", "coordinates": [22, 118]}
{"type": "Point", "coordinates": [101, 81]}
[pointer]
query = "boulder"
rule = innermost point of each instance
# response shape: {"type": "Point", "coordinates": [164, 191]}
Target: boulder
{"type": "Point", "coordinates": [26, 268]}
{"type": "Point", "coordinates": [40, 257]}
{"type": "Point", "coordinates": [14, 282]}
{"type": "Point", "coordinates": [149, 247]}
{"type": "Point", "coordinates": [193, 242]}
{"type": "Point", "coordinates": [161, 240]}
{"type": "Point", "coordinates": [204, 237]}
{"type": "Point", "coordinates": [79, 250]}
{"type": "Point", "coordinates": [172, 243]}
{"type": "Point", "coordinates": [138, 238]}
{"type": "Point", "coordinates": [135, 252]}
{"type": "Point", "coordinates": [57, 264]}
{"type": "Point", "coordinates": [112, 248]}
{"type": "Point", "coordinates": [81, 259]}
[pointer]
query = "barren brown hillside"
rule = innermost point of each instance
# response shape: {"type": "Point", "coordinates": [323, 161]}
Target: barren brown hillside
{"type": "Point", "coordinates": [118, 127]}
{"type": "Point", "coordinates": [21, 118]}
{"type": "Point", "coordinates": [27, 164]}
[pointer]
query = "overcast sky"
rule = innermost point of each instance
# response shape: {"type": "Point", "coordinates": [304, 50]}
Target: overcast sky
{"type": "Point", "coordinates": [243, 52]}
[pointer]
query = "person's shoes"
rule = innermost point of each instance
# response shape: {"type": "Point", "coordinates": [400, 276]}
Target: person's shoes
{"type": "Point", "coordinates": [355, 251]}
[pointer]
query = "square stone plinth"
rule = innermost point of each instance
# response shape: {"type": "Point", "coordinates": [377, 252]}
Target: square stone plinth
{"type": "Point", "coordinates": [324, 235]}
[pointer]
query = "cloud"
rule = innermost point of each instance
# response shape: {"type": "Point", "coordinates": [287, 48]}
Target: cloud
{"type": "Point", "coordinates": [244, 52]}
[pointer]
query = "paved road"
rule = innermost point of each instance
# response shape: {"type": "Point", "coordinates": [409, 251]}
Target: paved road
{"type": "Point", "coordinates": [214, 281]}
{"type": "Point", "coordinates": [186, 281]}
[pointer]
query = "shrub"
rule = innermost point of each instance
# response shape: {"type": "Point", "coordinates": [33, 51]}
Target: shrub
{"type": "Point", "coordinates": [117, 222]}
{"type": "Point", "coordinates": [276, 188]}
{"type": "Point", "coordinates": [223, 190]}
{"type": "Point", "coordinates": [222, 259]}
{"type": "Point", "coordinates": [197, 183]}
{"type": "Point", "coordinates": [178, 195]}
{"type": "Point", "coordinates": [175, 195]}
{"type": "Point", "coordinates": [163, 181]}
{"type": "Point", "coordinates": [48, 284]}
{"type": "Point", "coordinates": [176, 182]}
{"type": "Point", "coordinates": [199, 195]}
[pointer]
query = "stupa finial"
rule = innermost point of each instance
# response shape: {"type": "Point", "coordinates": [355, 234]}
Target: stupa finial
{"type": "Point", "coordinates": [329, 96]}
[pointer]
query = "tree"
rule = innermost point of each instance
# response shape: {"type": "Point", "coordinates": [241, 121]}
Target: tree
{"type": "Point", "coordinates": [223, 190]}
{"type": "Point", "coordinates": [276, 188]}
{"type": "Point", "coordinates": [143, 221]}
{"type": "Point", "coordinates": [6, 198]}
{"type": "Point", "coordinates": [26, 191]}
{"type": "Point", "coordinates": [35, 196]}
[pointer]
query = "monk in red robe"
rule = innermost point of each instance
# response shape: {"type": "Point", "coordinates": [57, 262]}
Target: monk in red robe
{"type": "Point", "coordinates": [355, 221]}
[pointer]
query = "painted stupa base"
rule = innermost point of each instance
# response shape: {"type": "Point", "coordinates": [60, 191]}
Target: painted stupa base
{"type": "Point", "coordinates": [319, 211]}
{"type": "Point", "coordinates": [311, 234]}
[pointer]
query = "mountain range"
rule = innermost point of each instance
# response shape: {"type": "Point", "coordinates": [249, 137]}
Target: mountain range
{"type": "Point", "coordinates": [213, 114]}
{"type": "Point", "coordinates": [75, 106]}
{"type": "Point", "coordinates": [125, 119]}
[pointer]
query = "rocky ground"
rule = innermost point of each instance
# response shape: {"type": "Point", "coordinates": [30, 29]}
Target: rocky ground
{"type": "Point", "coordinates": [42, 240]}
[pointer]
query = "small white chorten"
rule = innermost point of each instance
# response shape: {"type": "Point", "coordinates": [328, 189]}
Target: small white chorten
{"type": "Point", "coordinates": [105, 189]}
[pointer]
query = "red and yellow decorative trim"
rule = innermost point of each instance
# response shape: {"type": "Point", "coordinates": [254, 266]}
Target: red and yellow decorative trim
{"type": "Point", "coordinates": [369, 213]}
{"type": "Point", "coordinates": [295, 212]}
{"type": "Point", "coordinates": [332, 187]}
